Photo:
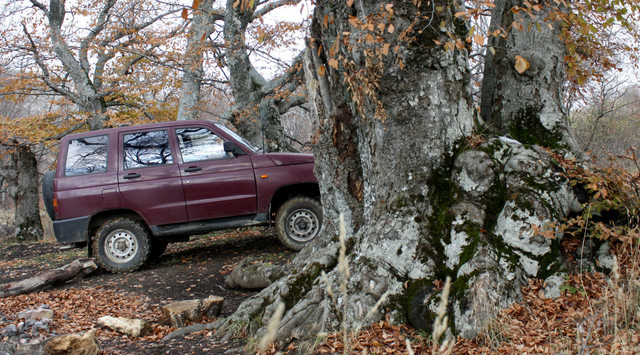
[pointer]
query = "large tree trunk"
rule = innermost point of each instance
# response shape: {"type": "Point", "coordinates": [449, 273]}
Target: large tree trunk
{"type": "Point", "coordinates": [421, 201]}
{"type": "Point", "coordinates": [20, 170]}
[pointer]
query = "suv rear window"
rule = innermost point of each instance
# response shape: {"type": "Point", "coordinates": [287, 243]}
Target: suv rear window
{"type": "Point", "coordinates": [87, 156]}
{"type": "Point", "coordinates": [144, 149]}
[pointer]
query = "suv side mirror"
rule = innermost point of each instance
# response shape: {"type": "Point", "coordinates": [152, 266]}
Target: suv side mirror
{"type": "Point", "coordinates": [231, 147]}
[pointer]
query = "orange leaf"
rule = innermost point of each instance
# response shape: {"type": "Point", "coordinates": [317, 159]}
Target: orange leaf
{"type": "Point", "coordinates": [521, 64]}
{"type": "Point", "coordinates": [368, 38]}
{"type": "Point", "coordinates": [185, 13]}
{"type": "Point", "coordinates": [333, 63]}
{"type": "Point", "coordinates": [385, 48]}
{"type": "Point", "coordinates": [479, 39]}
{"type": "Point", "coordinates": [391, 29]}
{"type": "Point", "coordinates": [322, 70]}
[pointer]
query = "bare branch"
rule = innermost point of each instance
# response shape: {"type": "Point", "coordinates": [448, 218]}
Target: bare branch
{"type": "Point", "coordinates": [40, 6]}
{"type": "Point", "coordinates": [272, 6]}
{"type": "Point", "coordinates": [103, 18]}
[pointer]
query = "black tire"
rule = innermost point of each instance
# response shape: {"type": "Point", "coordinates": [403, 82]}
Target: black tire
{"type": "Point", "coordinates": [157, 249]}
{"type": "Point", "coordinates": [298, 222]}
{"type": "Point", "coordinates": [47, 193]}
{"type": "Point", "coordinates": [122, 245]}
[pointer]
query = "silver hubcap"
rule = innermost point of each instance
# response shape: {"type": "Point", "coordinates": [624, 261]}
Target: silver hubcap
{"type": "Point", "coordinates": [121, 246]}
{"type": "Point", "coordinates": [303, 225]}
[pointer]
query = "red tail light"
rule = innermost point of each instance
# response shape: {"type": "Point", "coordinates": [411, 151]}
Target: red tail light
{"type": "Point", "coordinates": [55, 203]}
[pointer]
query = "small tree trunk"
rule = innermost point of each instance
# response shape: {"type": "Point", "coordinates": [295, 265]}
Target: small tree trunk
{"type": "Point", "coordinates": [527, 105]}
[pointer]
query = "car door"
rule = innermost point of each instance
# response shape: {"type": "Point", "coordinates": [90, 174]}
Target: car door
{"type": "Point", "coordinates": [216, 184]}
{"type": "Point", "coordinates": [149, 177]}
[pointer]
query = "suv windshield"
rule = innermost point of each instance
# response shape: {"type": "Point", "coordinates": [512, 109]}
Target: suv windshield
{"type": "Point", "coordinates": [235, 136]}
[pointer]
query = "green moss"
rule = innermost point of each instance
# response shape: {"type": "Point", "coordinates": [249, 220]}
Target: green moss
{"type": "Point", "coordinates": [420, 294]}
{"type": "Point", "coordinates": [438, 226]}
{"type": "Point", "coordinates": [302, 285]}
{"type": "Point", "coordinates": [525, 126]}
{"type": "Point", "coordinates": [550, 263]}
{"type": "Point", "coordinates": [473, 232]}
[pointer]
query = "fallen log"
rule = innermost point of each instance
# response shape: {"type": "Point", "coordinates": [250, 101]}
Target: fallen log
{"type": "Point", "coordinates": [51, 277]}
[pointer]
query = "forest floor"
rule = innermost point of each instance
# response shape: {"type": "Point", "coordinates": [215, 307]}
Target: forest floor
{"type": "Point", "coordinates": [188, 270]}
{"type": "Point", "coordinates": [595, 314]}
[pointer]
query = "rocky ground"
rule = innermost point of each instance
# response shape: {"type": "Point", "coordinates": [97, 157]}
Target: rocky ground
{"type": "Point", "coordinates": [190, 270]}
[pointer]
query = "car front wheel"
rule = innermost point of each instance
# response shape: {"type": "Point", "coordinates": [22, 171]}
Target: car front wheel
{"type": "Point", "coordinates": [122, 245]}
{"type": "Point", "coordinates": [298, 222]}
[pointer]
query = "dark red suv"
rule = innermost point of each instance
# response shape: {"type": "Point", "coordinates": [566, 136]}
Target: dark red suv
{"type": "Point", "coordinates": [127, 192]}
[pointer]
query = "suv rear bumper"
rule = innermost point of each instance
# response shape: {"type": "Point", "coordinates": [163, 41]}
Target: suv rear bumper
{"type": "Point", "coordinates": [72, 230]}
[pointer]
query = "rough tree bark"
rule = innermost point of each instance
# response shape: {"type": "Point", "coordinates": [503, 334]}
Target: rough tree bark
{"type": "Point", "coordinates": [512, 102]}
{"type": "Point", "coordinates": [423, 197]}
{"type": "Point", "coordinates": [20, 172]}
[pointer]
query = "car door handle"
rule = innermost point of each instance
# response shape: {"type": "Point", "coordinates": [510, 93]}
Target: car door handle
{"type": "Point", "coordinates": [192, 169]}
{"type": "Point", "coordinates": [132, 176]}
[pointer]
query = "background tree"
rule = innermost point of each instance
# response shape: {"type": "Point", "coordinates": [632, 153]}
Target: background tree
{"type": "Point", "coordinates": [19, 171]}
{"type": "Point", "coordinates": [106, 70]}
{"type": "Point", "coordinates": [19, 176]}
{"type": "Point", "coordinates": [246, 37]}
{"type": "Point", "coordinates": [259, 103]}
{"type": "Point", "coordinates": [605, 119]}
{"type": "Point", "coordinates": [202, 24]}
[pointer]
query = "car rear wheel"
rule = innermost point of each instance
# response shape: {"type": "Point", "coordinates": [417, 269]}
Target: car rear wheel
{"type": "Point", "coordinates": [298, 222]}
{"type": "Point", "coordinates": [122, 245]}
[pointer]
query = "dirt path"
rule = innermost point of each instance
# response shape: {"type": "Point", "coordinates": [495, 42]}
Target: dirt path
{"type": "Point", "coordinates": [190, 270]}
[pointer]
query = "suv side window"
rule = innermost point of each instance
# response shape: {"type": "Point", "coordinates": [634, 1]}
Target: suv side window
{"type": "Point", "coordinates": [144, 149]}
{"type": "Point", "coordinates": [87, 156]}
{"type": "Point", "coordinates": [197, 144]}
